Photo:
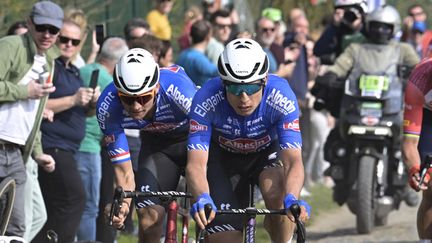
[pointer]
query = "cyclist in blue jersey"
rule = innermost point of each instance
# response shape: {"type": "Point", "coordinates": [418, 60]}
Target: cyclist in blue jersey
{"type": "Point", "coordinates": [156, 101]}
{"type": "Point", "coordinates": [244, 125]}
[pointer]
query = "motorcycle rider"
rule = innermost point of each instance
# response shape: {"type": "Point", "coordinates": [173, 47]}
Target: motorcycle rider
{"type": "Point", "coordinates": [380, 27]}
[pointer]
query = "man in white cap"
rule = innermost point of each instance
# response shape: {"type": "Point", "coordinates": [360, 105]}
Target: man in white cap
{"type": "Point", "coordinates": [25, 65]}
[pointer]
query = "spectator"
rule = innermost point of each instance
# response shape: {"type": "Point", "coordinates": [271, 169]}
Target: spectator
{"type": "Point", "coordinates": [158, 19]}
{"type": "Point", "coordinates": [63, 190]}
{"type": "Point", "coordinates": [221, 26]}
{"type": "Point", "coordinates": [415, 30]}
{"type": "Point", "coordinates": [24, 67]}
{"type": "Point", "coordinates": [276, 47]}
{"type": "Point", "coordinates": [192, 14]}
{"type": "Point", "coordinates": [18, 28]}
{"type": "Point", "coordinates": [197, 66]}
{"type": "Point", "coordinates": [296, 41]}
{"type": "Point", "coordinates": [135, 28]}
{"type": "Point", "coordinates": [265, 35]}
{"type": "Point", "coordinates": [78, 16]}
{"type": "Point", "coordinates": [346, 28]}
{"type": "Point", "coordinates": [88, 157]}
{"type": "Point", "coordinates": [166, 54]}
{"type": "Point", "coordinates": [148, 42]}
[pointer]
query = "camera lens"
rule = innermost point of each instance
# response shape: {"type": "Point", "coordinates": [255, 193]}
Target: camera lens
{"type": "Point", "coordinates": [350, 15]}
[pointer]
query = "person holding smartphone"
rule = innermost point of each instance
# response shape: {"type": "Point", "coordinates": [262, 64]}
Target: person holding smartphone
{"type": "Point", "coordinates": [22, 98]}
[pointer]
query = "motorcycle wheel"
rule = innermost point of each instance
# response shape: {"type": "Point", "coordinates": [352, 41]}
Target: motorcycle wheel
{"type": "Point", "coordinates": [365, 195]}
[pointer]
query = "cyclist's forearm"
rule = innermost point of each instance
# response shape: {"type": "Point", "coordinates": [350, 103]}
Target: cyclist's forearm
{"type": "Point", "coordinates": [124, 176]}
{"type": "Point", "coordinates": [410, 153]}
{"type": "Point", "coordinates": [196, 173]}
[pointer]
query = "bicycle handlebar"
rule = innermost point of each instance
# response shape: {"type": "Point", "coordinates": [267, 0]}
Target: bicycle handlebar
{"type": "Point", "coordinates": [253, 211]}
{"type": "Point", "coordinates": [294, 209]}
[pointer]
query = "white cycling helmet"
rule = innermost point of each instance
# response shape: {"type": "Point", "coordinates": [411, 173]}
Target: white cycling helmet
{"type": "Point", "coordinates": [136, 72]}
{"type": "Point", "coordinates": [243, 61]}
{"type": "Point", "coordinates": [361, 3]}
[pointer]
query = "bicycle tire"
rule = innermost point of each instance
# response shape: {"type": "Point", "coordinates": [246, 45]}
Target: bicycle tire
{"type": "Point", "coordinates": [7, 197]}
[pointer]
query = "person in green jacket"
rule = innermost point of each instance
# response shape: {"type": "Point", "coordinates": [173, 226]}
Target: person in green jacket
{"type": "Point", "coordinates": [25, 65]}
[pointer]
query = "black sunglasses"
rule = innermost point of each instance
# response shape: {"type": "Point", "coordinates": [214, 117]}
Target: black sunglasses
{"type": "Point", "coordinates": [42, 28]}
{"type": "Point", "coordinates": [65, 40]}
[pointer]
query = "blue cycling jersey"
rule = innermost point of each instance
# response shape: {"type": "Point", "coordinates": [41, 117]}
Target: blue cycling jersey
{"type": "Point", "coordinates": [173, 102]}
{"type": "Point", "coordinates": [213, 118]}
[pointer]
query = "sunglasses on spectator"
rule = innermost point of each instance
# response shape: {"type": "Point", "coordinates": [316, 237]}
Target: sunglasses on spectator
{"type": "Point", "coordinates": [42, 28]}
{"type": "Point", "coordinates": [267, 29]}
{"type": "Point", "coordinates": [238, 89]}
{"type": "Point", "coordinates": [223, 26]}
{"type": "Point", "coordinates": [142, 99]}
{"type": "Point", "coordinates": [65, 40]}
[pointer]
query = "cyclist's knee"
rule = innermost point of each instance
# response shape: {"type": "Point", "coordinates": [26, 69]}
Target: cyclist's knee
{"type": "Point", "coordinates": [152, 216]}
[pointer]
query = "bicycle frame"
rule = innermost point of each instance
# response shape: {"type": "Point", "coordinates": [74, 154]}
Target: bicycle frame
{"type": "Point", "coordinates": [172, 208]}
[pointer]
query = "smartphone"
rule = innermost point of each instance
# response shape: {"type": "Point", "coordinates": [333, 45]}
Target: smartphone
{"type": "Point", "coordinates": [100, 33]}
{"type": "Point", "coordinates": [94, 78]}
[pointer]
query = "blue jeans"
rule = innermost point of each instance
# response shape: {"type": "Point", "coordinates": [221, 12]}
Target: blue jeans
{"type": "Point", "coordinates": [89, 166]}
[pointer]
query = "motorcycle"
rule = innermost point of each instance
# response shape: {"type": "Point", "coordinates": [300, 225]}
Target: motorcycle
{"type": "Point", "coordinates": [364, 148]}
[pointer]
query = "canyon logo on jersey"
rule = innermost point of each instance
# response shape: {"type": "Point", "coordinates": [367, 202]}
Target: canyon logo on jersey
{"type": "Point", "coordinates": [194, 127]}
{"type": "Point", "coordinates": [294, 125]}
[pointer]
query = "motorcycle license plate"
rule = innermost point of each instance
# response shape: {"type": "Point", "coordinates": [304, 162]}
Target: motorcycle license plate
{"type": "Point", "coordinates": [373, 109]}
{"type": "Point", "coordinates": [372, 85]}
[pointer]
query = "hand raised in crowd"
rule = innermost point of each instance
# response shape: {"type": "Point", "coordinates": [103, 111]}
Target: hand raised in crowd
{"type": "Point", "coordinates": [286, 70]}
{"type": "Point", "coordinates": [46, 162]}
{"type": "Point", "coordinates": [37, 90]}
{"type": "Point", "coordinates": [83, 96]}
{"type": "Point", "coordinates": [48, 114]}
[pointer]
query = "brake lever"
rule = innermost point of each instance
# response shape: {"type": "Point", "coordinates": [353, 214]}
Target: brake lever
{"type": "Point", "coordinates": [116, 205]}
{"type": "Point", "coordinates": [301, 232]}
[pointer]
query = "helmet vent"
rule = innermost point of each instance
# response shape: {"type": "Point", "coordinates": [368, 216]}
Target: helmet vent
{"type": "Point", "coordinates": [242, 46]}
{"type": "Point", "coordinates": [264, 67]}
{"type": "Point", "coordinates": [155, 78]}
{"type": "Point", "coordinates": [220, 67]}
{"type": "Point", "coordinates": [132, 60]}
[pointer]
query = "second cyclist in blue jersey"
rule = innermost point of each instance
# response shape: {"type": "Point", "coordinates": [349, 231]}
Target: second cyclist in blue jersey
{"type": "Point", "coordinates": [157, 102]}
{"type": "Point", "coordinates": [244, 128]}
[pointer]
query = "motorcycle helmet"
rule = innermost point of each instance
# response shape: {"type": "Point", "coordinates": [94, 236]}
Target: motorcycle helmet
{"type": "Point", "coordinates": [382, 24]}
{"type": "Point", "coordinates": [243, 61]}
{"type": "Point", "coordinates": [136, 73]}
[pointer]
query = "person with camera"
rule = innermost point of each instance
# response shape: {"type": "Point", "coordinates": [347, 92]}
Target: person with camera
{"type": "Point", "coordinates": [379, 50]}
{"type": "Point", "coordinates": [346, 28]}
